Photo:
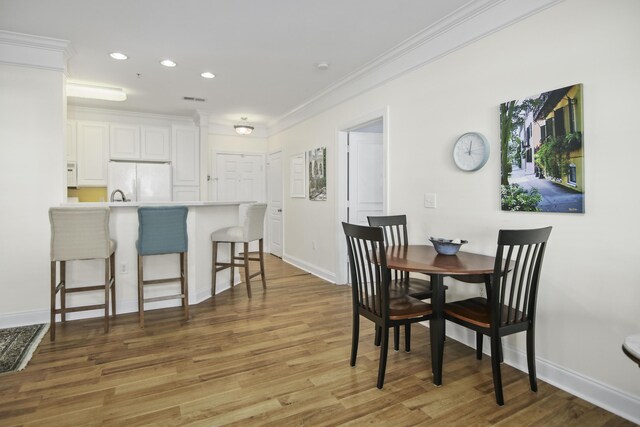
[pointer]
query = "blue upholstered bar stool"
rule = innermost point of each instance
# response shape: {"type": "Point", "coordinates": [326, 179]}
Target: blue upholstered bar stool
{"type": "Point", "coordinates": [80, 234]}
{"type": "Point", "coordinates": [251, 229]}
{"type": "Point", "coordinates": [162, 230]}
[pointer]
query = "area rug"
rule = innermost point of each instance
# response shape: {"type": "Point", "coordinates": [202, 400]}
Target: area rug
{"type": "Point", "coordinates": [18, 344]}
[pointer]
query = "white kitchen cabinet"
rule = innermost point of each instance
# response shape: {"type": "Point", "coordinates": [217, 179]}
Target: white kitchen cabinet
{"type": "Point", "coordinates": [124, 142]}
{"type": "Point", "coordinates": [186, 194]}
{"type": "Point", "coordinates": [185, 156]}
{"type": "Point", "coordinates": [72, 138]}
{"type": "Point", "coordinates": [139, 143]}
{"type": "Point", "coordinates": [93, 153]}
{"type": "Point", "coordinates": [155, 144]}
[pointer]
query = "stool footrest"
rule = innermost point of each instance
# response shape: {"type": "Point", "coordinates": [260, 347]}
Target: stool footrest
{"type": "Point", "coordinates": [158, 281]}
{"type": "Point", "coordinates": [81, 308]}
{"type": "Point", "coordinates": [241, 258]}
{"type": "Point", "coordinates": [86, 288]}
{"type": "Point", "coordinates": [257, 273]}
{"type": "Point", "coordinates": [164, 298]}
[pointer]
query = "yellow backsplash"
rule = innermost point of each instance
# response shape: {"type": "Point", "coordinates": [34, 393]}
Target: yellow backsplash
{"type": "Point", "coordinates": [88, 194]}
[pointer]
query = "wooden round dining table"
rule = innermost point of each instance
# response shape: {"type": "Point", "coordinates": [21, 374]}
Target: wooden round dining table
{"type": "Point", "coordinates": [424, 259]}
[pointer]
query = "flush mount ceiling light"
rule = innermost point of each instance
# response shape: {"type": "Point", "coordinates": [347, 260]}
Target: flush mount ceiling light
{"type": "Point", "coordinates": [208, 75]}
{"type": "Point", "coordinates": [79, 90]}
{"type": "Point", "coordinates": [168, 63]}
{"type": "Point", "coordinates": [243, 128]}
{"type": "Point", "coordinates": [119, 56]}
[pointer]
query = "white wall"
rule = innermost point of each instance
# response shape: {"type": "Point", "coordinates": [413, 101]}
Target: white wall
{"type": "Point", "coordinates": [32, 178]}
{"type": "Point", "coordinates": [589, 298]}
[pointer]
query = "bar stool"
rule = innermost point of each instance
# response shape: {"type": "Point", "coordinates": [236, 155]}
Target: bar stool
{"type": "Point", "coordinates": [162, 230]}
{"type": "Point", "coordinates": [81, 234]}
{"type": "Point", "coordinates": [252, 229]}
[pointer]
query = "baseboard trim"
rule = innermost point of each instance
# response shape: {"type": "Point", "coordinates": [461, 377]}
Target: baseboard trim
{"type": "Point", "coordinates": [589, 389]}
{"type": "Point", "coordinates": [327, 275]}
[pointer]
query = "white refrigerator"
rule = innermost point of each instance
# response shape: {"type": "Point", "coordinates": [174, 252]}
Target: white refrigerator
{"type": "Point", "coordinates": [141, 182]}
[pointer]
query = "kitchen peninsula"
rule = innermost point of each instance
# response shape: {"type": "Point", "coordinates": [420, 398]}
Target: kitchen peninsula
{"type": "Point", "coordinates": [203, 218]}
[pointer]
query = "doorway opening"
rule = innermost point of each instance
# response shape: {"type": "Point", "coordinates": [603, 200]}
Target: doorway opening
{"type": "Point", "coordinates": [362, 177]}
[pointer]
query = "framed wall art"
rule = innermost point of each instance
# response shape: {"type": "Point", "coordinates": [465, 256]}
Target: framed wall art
{"type": "Point", "coordinates": [317, 167]}
{"type": "Point", "coordinates": [542, 153]}
{"type": "Point", "coordinates": [298, 182]}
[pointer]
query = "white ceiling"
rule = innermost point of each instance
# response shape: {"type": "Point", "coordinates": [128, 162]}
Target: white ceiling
{"type": "Point", "coordinates": [263, 52]}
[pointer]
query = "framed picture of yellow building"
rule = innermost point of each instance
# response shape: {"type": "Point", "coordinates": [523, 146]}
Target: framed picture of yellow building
{"type": "Point", "coordinates": [542, 152]}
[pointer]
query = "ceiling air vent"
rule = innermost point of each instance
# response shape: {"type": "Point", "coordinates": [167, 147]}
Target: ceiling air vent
{"type": "Point", "coordinates": [191, 98]}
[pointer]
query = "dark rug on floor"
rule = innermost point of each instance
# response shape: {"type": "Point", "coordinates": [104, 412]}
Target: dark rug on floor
{"type": "Point", "coordinates": [18, 344]}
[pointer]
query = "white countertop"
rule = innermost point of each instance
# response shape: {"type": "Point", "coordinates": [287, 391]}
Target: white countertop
{"type": "Point", "coordinates": [137, 204]}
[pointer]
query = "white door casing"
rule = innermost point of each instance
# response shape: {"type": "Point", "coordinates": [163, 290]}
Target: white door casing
{"type": "Point", "coordinates": [274, 217]}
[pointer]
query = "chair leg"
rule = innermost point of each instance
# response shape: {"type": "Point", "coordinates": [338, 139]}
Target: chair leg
{"type": "Point", "coordinates": [376, 340]}
{"type": "Point", "coordinates": [247, 278]}
{"type": "Point", "coordinates": [214, 266]}
{"type": "Point", "coordinates": [232, 261]}
{"type": "Point", "coordinates": [107, 291]}
{"type": "Point", "coordinates": [479, 339]}
{"type": "Point", "coordinates": [396, 338]}
{"type": "Point", "coordinates": [407, 337]}
{"type": "Point", "coordinates": [112, 266]}
{"type": "Point", "coordinates": [184, 283]}
{"type": "Point", "coordinates": [140, 293]}
{"type": "Point", "coordinates": [355, 336]}
{"type": "Point", "coordinates": [531, 358]}
{"type": "Point", "coordinates": [384, 346]}
{"type": "Point", "coordinates": [495, 367]}
{"type": "Point", "coordinates": [262, 274]}
{"type": "Point", "coordinates": [63, 291]}
{"type": "Point", "coordinates": [52, 328]}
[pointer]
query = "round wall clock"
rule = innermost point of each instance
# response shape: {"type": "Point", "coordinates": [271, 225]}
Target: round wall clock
{"type": "Point", "coordinates": [471, 151]}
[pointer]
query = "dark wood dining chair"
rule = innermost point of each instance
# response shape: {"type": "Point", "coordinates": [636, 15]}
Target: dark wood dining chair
{"type": "Point", "coordinates": [394, 229]}
{"type": "Point", "coordinates": [511, 307]}
{"type": "Point", "coordinates": [371, 296]}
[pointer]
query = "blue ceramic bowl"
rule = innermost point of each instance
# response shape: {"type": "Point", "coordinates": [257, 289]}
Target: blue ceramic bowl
{"type": "Point", "coordinates": [446, 246]}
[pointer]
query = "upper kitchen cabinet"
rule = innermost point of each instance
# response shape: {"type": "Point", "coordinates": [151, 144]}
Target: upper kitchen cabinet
{"type": "Point", "coordinates": [72, 141]}
{"type": "Point", "coordinates": [186, 156]}
{"type": "Point", "coordinates": [93, 153]}
{"type": "Point", "coordinates": [124, 142]}
{"type": "Point", "coordinates": [139, 143]}
{"type": "Point", "coordinates": [155, 144]}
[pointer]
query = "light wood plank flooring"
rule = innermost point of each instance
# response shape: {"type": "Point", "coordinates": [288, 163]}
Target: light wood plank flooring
{"type": "Point", "coordinates": [279, 359]}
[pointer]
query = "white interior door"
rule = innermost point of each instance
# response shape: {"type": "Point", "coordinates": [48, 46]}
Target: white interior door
{"type": "Point", "coordinates": [240, 177]}
{"type": "Point", "coordinates": [274, 216]}
{"type": "Point", "coordinates": [365, 193]}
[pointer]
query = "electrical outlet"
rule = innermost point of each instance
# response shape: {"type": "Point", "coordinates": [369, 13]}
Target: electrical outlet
{"type": "Point", "coordinates": [123, 268]}
{"type": "Point", "coordinates": [429, 200]}
{"type": "Point", "coordinates": [313, 245]}
{"type": "Point", "coordinates": [483, 292]}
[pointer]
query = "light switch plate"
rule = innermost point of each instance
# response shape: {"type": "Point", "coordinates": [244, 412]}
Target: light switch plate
{"type": "Point", "coordinates": [429, 200]}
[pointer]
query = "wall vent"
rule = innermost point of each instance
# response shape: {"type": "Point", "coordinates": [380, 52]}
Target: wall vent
{"type": "Point", "coordinates": [191, 98]}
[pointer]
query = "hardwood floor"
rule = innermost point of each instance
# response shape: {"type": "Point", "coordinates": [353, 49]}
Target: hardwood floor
{"type": "Point", "coordinates": [281, 358]}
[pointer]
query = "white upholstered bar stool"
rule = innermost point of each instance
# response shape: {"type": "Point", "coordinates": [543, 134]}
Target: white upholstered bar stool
{"type": "Point", "coordinates": [81, 234]}
{"type": "Point", "coordinates": [251, 229]}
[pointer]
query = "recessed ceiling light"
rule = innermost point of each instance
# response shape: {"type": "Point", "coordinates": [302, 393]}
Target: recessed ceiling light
{"type": "Point", "coordinates": [168, 63]}
{"type": "Point", "coordinates": [119, 56]}
{"type": "Point", "coordinates": [208, 75]}
{"type": "Point", "coordinates": [323, 66]}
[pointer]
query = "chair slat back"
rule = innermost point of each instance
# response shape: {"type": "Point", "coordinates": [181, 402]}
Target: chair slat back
{"type": "Point", "coordinates": [517, 274]}
{"type": "Point", "coordinates": [368, 267]}
{"type": "Point", "coordinates": [394, 229]}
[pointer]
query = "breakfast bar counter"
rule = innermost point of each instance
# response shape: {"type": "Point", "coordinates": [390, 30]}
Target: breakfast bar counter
{"type": "Point", "coordinates": [202, 220]}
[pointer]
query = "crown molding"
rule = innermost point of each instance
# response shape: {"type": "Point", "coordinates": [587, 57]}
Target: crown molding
{"type": "Point", "coordinates": [475, 20]}
{"type": "Point", "coordinates": [116, 115]}
{"type": "Point", "coordinates": [34, 51]}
